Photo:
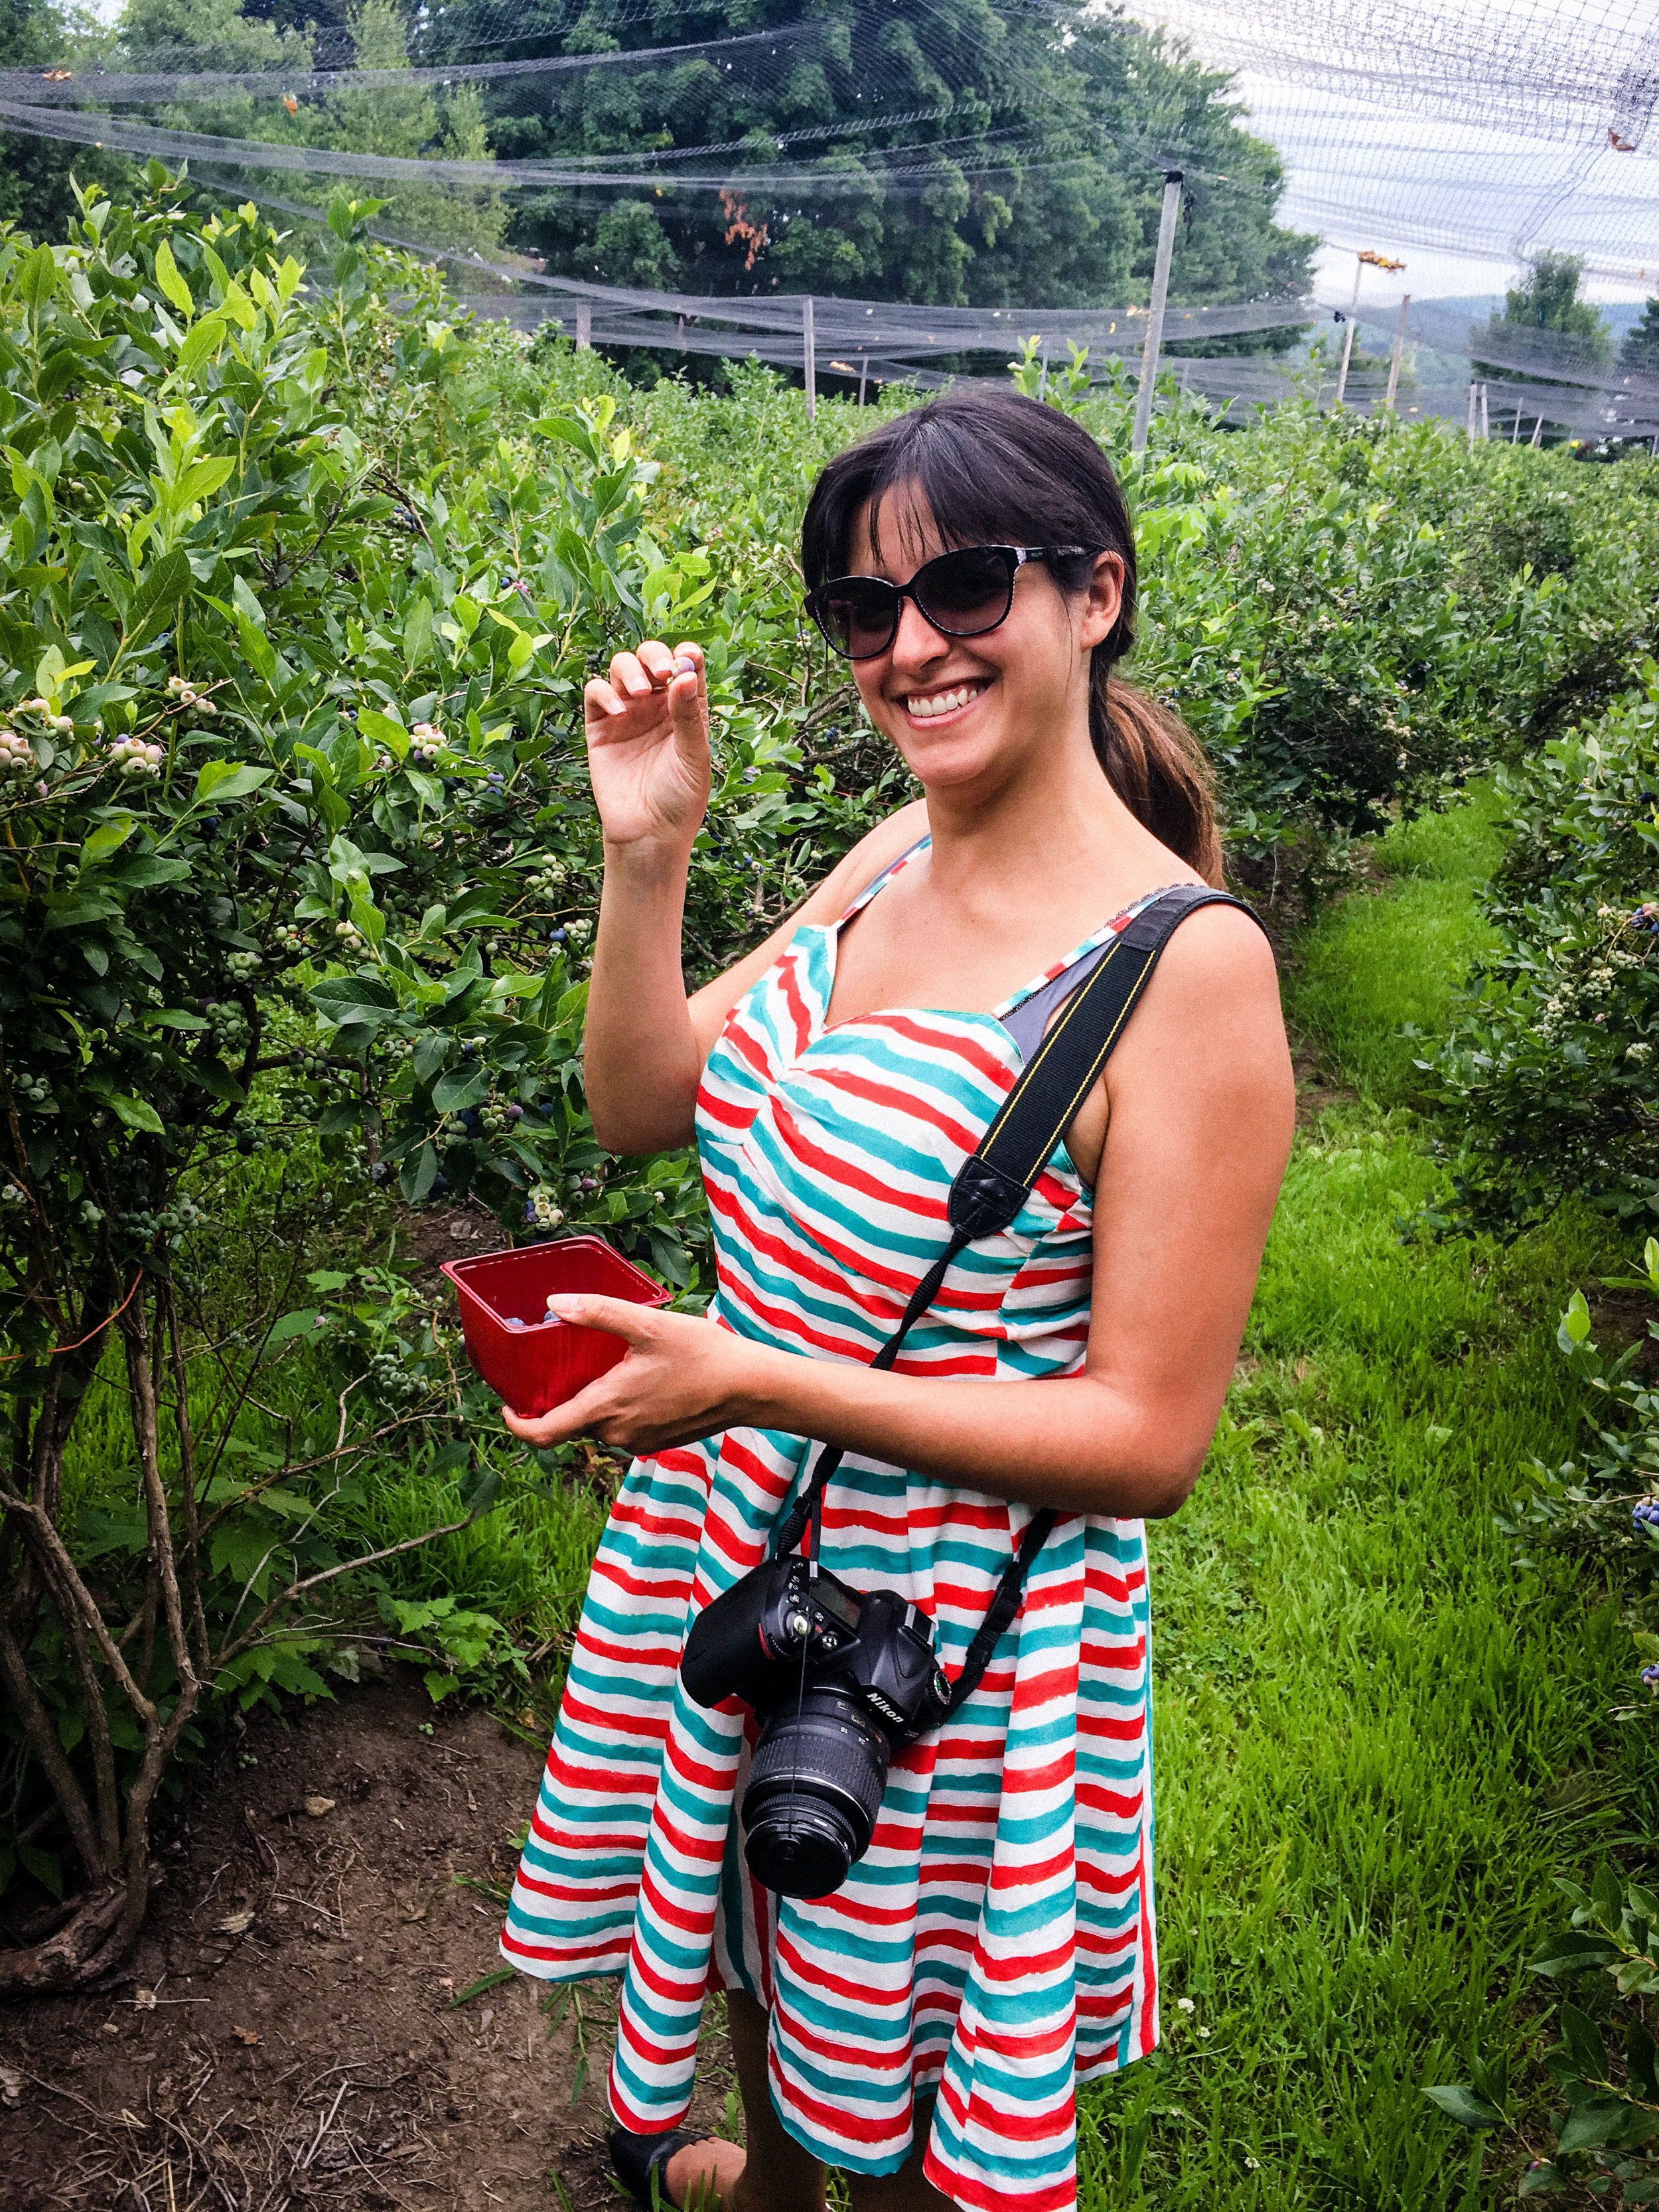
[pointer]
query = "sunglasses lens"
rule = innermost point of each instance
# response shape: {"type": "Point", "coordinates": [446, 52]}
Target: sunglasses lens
{"type": "Point", "coordinates": [964, 593]}
{"type": "Point", "coordinates": [858, 615]}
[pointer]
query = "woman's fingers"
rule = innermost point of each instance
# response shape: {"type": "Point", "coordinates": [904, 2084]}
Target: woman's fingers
{"type": "Point", "coordinates": [621, 1317]}
{"type": "Point", "coordinates": [577, 1417]}
{"type": "Point", "coordinates": [629, 676]}
{"type": "Point", "coordinates": [599, 702]}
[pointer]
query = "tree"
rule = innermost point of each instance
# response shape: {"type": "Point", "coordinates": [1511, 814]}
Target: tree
{"type": "Point", "coordinates": [1548, 300]}
{"type": "Point", "coordinates": [1023, 162]}
{"type": "Point", "coordinates": [1640, 351]}
{"type": "Point", "coordinates": [35, 192]}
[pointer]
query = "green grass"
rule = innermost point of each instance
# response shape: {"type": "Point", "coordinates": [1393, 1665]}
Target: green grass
{"type": "Point", "coordinates": [1375, 964]}
{"type": "Point", "coordinates": [1365, 1706]}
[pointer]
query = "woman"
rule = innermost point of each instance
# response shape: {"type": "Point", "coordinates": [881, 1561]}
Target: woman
{"type": "Point", "coordinates": [923, 2027]}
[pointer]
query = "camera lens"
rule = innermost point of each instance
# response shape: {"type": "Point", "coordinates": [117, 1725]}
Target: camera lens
{"type": "Point", "coordinates": [815, 1786]}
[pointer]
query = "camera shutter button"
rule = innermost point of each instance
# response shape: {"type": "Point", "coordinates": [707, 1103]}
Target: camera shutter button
{"type": "Point", "coordinates": [798, 1624]}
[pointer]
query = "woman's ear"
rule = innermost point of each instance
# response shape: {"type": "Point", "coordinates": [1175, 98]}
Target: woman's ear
{"type": "Point", "coordinates": [1102, 602]}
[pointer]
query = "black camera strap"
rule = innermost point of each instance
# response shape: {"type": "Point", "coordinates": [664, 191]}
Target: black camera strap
{"type": "Point", "coordinates": [992, 1187]}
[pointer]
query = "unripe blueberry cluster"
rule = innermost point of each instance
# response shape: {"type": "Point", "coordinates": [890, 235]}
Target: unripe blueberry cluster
{"type": "Point", "coordinates": [184, 694]}
{"type": "Point", "coordinates": [496, 1120]}
{"type": "Point", "coordinates": [579, 932]}
{"type": "Point", "coordinates": [311, 1064]}
{"type": "Point", "coordinates": [428, 745]}
{"type": "Point", "coordinates": [133, 757]}
{"type": "Point", "coordinates": [42, 710]}
{"type": "Point", "coordinates": [145, 1224]}
{"type": "Point", "coordinates": [11, 1195]}
{"type": "Point", "coordinates": [226, 1018]}
{"type": "Point", "coordinates": [542, 1211]}
{"type": "Point", "coordinates": [244, 963]}
{"type": "Point", "coordinates": [287, 938]}
{"type": "Point", "coordinates": [33, 1090]}
{"type": "Point", "coordinates": [89, 1214]}
{"type": "Point", "coordinates": [392, 1379]}
{"type": "Point", "coordinates": [351, 938]}
{"type": "Point", "coordinates": [547, 881]}
{"type": "Point", "coordinates": [16, 753]}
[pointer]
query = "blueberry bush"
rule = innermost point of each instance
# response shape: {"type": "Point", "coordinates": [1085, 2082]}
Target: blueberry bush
{"type": "Point", "coordinates": [301, 576]}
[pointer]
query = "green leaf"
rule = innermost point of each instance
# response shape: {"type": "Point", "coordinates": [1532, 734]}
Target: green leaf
{"type": "Point", "coordinates": [37, 280]}
{"type": "Point", "coordinates": [417, 635]}
{"type": "Point", "coordinates": [417, 1176]}
{"type": "Point", "coordinates": [108, 837]}
{"type": "Point", "coordinates": [163, 583]}
{"type": "Point", "coordinates": [1461, 2105]}
{"type": "Point", "coordinates": [138, 1114]}
{"type": "Point", "coordinates": [492, 1981]}
{"type": "Point", "coordinates": [167, 276]}
{"type": "Point", "coordinates": [461, 1087]}
{"type": "Point", "coordinates": [343, 998]}
{"type": "Point", "coordinates": [223, 779]}
{"type": "Point", "coordinates": [305, 1321]}
{"type": "Point", "coordinates": [1593, 2125]}
{"type": "Point", "coordinates": [45, 1866]}
{"type": "Point", "coordinates": [1583, 2040]}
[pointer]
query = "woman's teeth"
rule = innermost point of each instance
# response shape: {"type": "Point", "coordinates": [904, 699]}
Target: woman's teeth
{"type": "Point", "coordinates": [923, 705]}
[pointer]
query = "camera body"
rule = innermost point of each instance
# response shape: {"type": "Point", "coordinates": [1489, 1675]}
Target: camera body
{"type": "Point", "coordinates": [839, 1679]}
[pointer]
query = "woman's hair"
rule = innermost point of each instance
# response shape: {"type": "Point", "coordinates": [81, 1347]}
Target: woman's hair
{"type": "Point", "coordinates": [993, 468]}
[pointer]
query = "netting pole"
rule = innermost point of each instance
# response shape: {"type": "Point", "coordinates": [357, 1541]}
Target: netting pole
{"type": "Point", "coordinates": [1393, 358]}
{"type": "Point", "coordinates": [1485, 420]}
{"type": "Point", "coordinates": [864, 371]}
{"type": "Point", "coordinates": [584, 326]}
{"type": "Point", "coordinates": [1166, 231]}
{"type": "Point", "coordinates": [1515, 435]}
{"type": "Point", "coordinates": [1537, 438]}
{"type": "Point", "coordinates": [809, 360]}
{"type": "Point", "coordinates": [1348, 335]}
{"type": "Point", "coordinates": [1472, 388]}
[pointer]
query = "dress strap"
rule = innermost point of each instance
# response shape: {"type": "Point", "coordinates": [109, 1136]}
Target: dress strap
{"type": "Point", "coordinates": [1027, 1015]}
{"type": "Point", "coordinates": [885, 877]}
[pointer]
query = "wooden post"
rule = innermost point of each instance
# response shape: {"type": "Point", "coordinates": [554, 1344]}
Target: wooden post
{"type": "Point", "coordinates": [584, 326]}
{"type": "Point", "coordinates": [1149, 352]}
{"type": "Point", "coordinates": [1399, 348]}
{"type": "Point", "coordinates": [809, 360]}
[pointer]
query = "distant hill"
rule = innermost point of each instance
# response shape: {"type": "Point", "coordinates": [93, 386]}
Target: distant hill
{"type": "Point", "coordinates": [1621, 315]}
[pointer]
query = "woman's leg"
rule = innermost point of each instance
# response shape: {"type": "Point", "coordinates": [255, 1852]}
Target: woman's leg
{"type": "Point", "coordinates": [905, 2191]}
{"type": "Point", "coordinates": [773, 2173]}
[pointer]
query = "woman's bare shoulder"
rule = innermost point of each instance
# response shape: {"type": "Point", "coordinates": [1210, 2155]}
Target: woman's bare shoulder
{"type": "Point", "coordinates": [859, 865]}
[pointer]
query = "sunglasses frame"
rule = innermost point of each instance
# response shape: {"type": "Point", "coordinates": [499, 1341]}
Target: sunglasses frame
{"type": "Point", "coordinates": [1018, 556]}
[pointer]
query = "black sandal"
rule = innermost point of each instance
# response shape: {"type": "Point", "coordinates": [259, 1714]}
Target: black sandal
{"type": "Point", "coordinates": [635, 2159]}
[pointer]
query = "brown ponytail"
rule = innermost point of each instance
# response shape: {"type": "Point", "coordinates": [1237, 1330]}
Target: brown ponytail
{"type": "Point", "coordinates": [1157, 768]}
{"type": "Point", "coordinates": [995, 467]}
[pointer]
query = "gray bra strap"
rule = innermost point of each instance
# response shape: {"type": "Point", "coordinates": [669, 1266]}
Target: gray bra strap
{"type": "Point", "coordinates": [1030, 1019]}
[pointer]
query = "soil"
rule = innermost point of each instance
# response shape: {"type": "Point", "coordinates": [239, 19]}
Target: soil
{"type": "Point", "coordinates": [292, 2028]}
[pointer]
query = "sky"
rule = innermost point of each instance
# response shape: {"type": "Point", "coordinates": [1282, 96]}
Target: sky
{"type": "Point", "coordinates": [1458, 136]}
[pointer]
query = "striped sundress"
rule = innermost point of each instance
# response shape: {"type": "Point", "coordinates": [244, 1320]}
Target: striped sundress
{"type": "Point", "coordinates": [996, 1942]}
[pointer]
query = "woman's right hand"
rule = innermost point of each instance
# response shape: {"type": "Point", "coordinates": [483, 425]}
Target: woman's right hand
{"type": "Point", "coordinates": [647, 746]}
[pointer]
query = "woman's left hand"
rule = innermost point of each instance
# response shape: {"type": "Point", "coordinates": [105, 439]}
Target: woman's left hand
{"type": "Point", "coordinates": [683, 1378]}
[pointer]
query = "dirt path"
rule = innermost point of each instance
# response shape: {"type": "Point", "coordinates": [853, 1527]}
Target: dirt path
{"type": "Point", "coordinates": [285, 2034]}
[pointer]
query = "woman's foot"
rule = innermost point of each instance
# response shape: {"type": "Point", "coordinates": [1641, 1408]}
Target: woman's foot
{"type": "Point", "coordinates": [701, 2175]}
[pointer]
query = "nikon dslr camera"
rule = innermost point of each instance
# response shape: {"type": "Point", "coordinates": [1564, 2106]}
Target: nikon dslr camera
{"type": "Point", "coordinates": [839, 1681]}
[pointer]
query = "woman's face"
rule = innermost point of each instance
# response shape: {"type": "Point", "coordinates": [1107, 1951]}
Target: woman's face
{"type": "Point", "coordinates": [961, 709]}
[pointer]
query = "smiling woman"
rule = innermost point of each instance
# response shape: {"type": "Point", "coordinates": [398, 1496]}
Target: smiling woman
{"type": "Point", "coordinates": [924, 2024]}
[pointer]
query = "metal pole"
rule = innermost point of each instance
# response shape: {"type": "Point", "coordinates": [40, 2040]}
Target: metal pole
{"type": "Point", "coordinates": [864, 371]}
{"type": "Point", "coordinates": [1515, 435]}
{"type": "Point", "coordinates": [1393, 358]}
{"type": "Point", "coordinates": [1537, 437]}
{"type": "Point", "coordinates": [809, 358]}
{"type": "Point", "coordinates": [1042, 382]}
{"type": "Point", "coordinates": [1348, 335]}
{"type": "Point", "coordinates": [1472, 388]}
{"type": "Point", "coordinates": [1485, 420]}
{"type": "Point", "coordinates": [1149, 352]}
{"type": "Point", "coordinates": [584, 326]}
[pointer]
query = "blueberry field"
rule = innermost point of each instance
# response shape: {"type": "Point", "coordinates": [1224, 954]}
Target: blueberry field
{"type": "Point", "coordinates": [301, 572]}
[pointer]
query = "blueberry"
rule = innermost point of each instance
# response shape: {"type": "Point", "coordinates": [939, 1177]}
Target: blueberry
{"type": "Point", "coordinates": [1651, 1676]}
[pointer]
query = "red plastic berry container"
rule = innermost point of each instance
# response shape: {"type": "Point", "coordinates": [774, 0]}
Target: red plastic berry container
{"type": "Point", "coordinates": [538, 1365]}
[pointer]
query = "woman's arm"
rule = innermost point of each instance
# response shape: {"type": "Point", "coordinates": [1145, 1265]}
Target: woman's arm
{"type": "Point", "coordinates": [1203, 1103]}
{"type": "Point", "coordinates": [647, 751]}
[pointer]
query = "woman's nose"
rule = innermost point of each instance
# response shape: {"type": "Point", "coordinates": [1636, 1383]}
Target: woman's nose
{"type": "Point", "coordinates": [916, 642]}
